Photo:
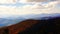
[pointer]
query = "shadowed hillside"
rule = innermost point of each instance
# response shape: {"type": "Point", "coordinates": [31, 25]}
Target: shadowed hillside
{"type": "Point", "coordinates": [30, 26]}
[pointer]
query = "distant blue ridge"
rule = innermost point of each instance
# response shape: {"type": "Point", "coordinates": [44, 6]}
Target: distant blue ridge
{"type": "Point", "coordinates": [13, 20]}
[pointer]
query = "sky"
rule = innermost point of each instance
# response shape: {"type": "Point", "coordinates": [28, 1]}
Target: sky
{"type": "Point", "coordinates": [24, 7]}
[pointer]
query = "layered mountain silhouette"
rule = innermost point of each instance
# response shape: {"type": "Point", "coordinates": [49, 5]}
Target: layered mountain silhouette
{"type": "Point", "coordinates": [13, 19]}
{"type": "Point", "coordinates": [31, 26]}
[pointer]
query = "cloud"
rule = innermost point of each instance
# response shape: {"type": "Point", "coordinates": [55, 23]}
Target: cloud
{"type": "Point", "coordinates": [36, 8]}
{"type": "Point", "coordinates": [7, 10]}
{"type": "Point", "coordinates": [52, 4]}
{"type": "Point", "coordinates": [39, 8]}
{"type": "Point", "coordinates": [42, 6]}
{"type": "Point", "coordinates": [34, 1]}
{"type": "Point", "coordinates": [7, 1]}
{"type": "Point", "coordinates": [25, 1]}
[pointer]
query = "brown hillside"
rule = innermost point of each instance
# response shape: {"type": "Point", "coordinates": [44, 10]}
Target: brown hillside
{"type": "Point", "coordinates": [51, 26]}
{"type": "Point", "coordinates": [14, 29]}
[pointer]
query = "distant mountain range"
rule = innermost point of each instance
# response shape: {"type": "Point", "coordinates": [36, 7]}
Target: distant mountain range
{"type": "Point", "coordinates": [15, 19]}
{"type": "Point", "coordinates": [7, 22]}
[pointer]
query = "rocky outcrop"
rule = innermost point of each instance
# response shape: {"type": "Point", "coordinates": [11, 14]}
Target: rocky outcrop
{"type": "Point", "coordinates": [50, 26]}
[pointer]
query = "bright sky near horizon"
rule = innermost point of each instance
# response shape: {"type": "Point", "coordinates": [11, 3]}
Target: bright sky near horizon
{"type": "Point", "coordinates": [23, 7]}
